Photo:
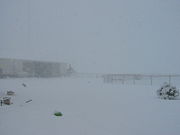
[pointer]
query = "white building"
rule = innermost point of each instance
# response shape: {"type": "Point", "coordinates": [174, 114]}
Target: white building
{"type": "Point", "coordinates": [30, 68]}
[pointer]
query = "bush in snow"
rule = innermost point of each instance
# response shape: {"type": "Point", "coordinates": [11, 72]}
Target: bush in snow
{"type": "Point", "coordinates": [58, 114]}
{"type": "Point", "coordinates": [167, 92]}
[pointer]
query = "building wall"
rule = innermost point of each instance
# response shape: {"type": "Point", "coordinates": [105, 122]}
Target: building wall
{"type": "Point", "coordinates": [29, 68]}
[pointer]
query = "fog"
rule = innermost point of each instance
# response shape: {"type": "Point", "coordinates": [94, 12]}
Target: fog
{"type": "Point", "coordinates": [101, 36]}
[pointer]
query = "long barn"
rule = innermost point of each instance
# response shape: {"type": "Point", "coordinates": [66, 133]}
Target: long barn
{"type": "Point", "coordinates": [31, 68]}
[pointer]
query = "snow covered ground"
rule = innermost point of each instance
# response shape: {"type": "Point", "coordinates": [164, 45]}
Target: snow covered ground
{"type": "Point", "coordinates": [89, 107]}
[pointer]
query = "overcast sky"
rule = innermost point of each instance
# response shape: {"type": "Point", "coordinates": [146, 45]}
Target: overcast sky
{"type": "Point", "coordinates": [103, 36]}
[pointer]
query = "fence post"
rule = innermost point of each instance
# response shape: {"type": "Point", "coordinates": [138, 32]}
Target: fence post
{"type": "Point", "coordinates": [151, 79]}
{"type": "Point", "coordinates": [123, 79]}
{"type": "Point", "coordinates": [133, 80]}
{"type": "Point", "coordinates": [169, 79]}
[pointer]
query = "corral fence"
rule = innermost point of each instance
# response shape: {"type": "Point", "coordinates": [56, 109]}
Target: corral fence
{"type": "Point", "coordinates": [144, 79]}
{"type": "Point", "coordinates": [140, 79]}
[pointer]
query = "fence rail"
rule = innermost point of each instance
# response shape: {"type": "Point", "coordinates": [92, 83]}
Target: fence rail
{"type": "Point", "coordinates": [149, 79]}
{"type": "Point", "coordinates": [122, 78]}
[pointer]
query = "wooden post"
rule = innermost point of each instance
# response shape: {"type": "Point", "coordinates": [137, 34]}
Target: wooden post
{"type": "Point", "coordinates": [151, 80]}
{"type": "Point", "coordinates": [123, 79]}
{"type": "Point", "coordinates": [169, 79]}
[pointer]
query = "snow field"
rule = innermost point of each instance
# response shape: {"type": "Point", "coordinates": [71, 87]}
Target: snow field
{"type": "Point", "coordinates": [89, 107]}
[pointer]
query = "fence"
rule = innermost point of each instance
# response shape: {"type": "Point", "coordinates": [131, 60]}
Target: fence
{"type": "Point", "coordinates": [133, 79]}
{"type": "Point", "coordinates": [140, 79]}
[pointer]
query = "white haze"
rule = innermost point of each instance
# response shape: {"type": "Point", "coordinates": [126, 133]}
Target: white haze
{"type": "Point", "coordinates": [105, 36]}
